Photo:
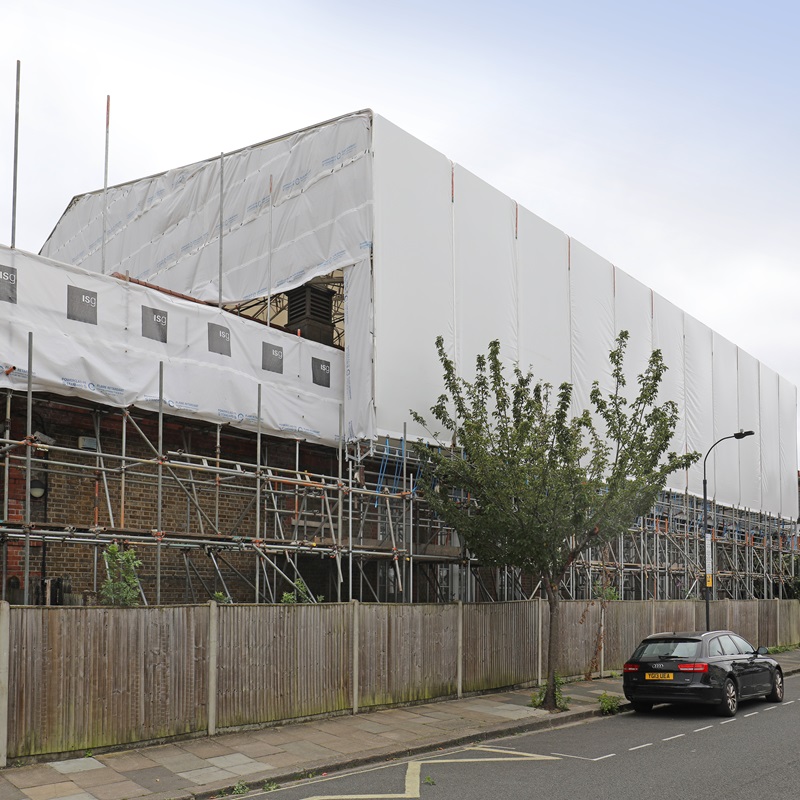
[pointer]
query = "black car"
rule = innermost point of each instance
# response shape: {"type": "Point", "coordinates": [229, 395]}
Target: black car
{"type": "Point", "coordinates": [714, 667]}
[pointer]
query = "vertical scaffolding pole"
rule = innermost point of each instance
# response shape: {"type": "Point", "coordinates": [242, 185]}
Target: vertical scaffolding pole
{"type": "Point", "coordinates": [104, 473]}
{"type": "Point", "coordinates": [269, 263]}
{"type": "Point", "coordinates": [339, 509]}
{"type": "Point", "coordinates": [16, 160]}
{"type": "Point", "coordinates": [258, 493]}
{"type": "Point", "coordinates": [221, 196]}
{"type": "Point", "coordinates": [218, 452]}
{"type": "Point", "coordinates": [350, 525]}
{"type": "Point", "coordinates": [29, 435]}
{"type": "Point", "coordinates": [160, 478]}
{"type": "Point", "coordinates": [122, 471]}
{"type": "Point", "coordinates": [105, 192]}
{"type": "Point", "coordinates": [5, 489]}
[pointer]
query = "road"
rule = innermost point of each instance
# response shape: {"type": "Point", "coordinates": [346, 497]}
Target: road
{"type": "Point", "coordinates": [669, 754]}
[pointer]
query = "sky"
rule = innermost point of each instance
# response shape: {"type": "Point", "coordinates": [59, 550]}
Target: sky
{"type": "Point", "coordinates": [662, 135]}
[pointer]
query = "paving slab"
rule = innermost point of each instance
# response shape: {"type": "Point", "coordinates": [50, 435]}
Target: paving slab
{"type": "Point", "coordinates": [37, 775]}
{"type": "Point", "coordinates": [96, 777]}
{"type": "Point", "coordinates": [127, 760]}
{"type": "Point", "coordinates": [52, 791]}
{"type": "Point", "coordinates": [207, 775]}
{"type": "Point", "coordinates": [76, 765]}
{"type": "Point", "coordinates": [123, 790]}
{"type": "Point", "coordinates": [156, 779]}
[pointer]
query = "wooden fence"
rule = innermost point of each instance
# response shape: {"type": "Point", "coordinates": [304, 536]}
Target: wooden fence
{"type": "Point", "coordinates": [74, 679]}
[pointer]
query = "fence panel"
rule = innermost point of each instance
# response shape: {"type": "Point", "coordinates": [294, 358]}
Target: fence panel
{"type": "Point", "coordinates": [406, 652]}
{"type": "Point", "coordinates": [676, 615]}
{"type": "Point", "coordinates": [627, 622]}
{"type": "Point", "coordinates": [95, 677]}
{"type": "Point", "coordinates": [580, 637]}
{"type": "Point", "coordinates": [500, 644]}
{"type": "Point", "coordinates": [84, 678]}
{"type": "Point", "coordinates": [282, 661]}
{"type": "Point", "coordinates": [744, 618]}
{"type": "Point", "coordinates": [789, 632]}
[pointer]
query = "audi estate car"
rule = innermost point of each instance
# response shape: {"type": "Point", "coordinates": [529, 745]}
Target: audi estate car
{"type": "Point", "coordinates": [717, 668]}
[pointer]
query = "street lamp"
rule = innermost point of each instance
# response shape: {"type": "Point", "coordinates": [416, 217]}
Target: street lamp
{"type": "Point", "coordinates": [709, 573]}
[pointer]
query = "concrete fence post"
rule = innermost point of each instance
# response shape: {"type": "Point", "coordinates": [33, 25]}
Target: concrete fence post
{"type": "Point", "coordinates": [539, 641]}
{"type": "Point", "coordinates": [5, 652]}
{"type": "Point", "coordinates": [460, 651]}
{"type": "Point", "coordinates": [355, 665]}
{"type": "Point", "coordinates": [213, 653]}
{"type": "Point", "coordinates": [602, 639]}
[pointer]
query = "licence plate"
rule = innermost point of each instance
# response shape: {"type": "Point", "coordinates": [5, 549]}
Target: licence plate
{"type": "Point", "coordinates": [658, 676]}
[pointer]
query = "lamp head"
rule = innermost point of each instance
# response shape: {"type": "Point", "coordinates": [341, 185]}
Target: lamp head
{"type": "Point", "coordinates": [742, 434]}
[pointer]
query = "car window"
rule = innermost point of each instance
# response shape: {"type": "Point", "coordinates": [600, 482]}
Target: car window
{"type": "Point", "coordinates": [729, 648]}
{"type": "Point", "coordinates": [745, 648]}
{"type": "Point", "coordinates": [668, 648]}
{"type": "Point", "coordinates": [715, 647]}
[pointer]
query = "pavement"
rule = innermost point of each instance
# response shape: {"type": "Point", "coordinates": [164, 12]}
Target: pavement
{"type": "Point", "coordinates": [263, 759]}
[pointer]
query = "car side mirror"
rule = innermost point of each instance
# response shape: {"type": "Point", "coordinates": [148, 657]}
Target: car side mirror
{"type": "Point", "coordinates": [762, 651]}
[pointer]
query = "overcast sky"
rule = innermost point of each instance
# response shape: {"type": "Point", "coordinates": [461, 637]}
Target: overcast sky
{"type": "Point", "coordinates": [662, 135]}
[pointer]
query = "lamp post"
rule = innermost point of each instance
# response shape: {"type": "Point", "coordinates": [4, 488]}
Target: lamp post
{"type": "Point", "coordinates": [709, 573]}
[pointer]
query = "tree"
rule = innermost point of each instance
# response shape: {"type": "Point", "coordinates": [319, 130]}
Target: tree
{"type": "Point", "coordinates": [121, 587]}
{"type": "Point", "coordinates": [530, 486]}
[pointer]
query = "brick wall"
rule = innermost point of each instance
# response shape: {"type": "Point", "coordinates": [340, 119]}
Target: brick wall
{"type": "Point", "coordinates": [76, 496]}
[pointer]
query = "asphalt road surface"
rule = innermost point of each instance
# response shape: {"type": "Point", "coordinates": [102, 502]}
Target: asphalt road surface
{"type": "Point", "coordinates": [670, 754]}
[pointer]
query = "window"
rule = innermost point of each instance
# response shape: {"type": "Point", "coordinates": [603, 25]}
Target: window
{"type": "Point", "coordinates": [715, 648]}
{"type": "Point", "coordinates": [745, 648]}
{"type": "Point", "coordinates": [729, 647]}
{"type": "Point", "coordinates": [669, 648]}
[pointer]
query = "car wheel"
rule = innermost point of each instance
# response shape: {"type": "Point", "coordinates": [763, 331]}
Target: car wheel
{"type": "Point", "coordinates": [776, 695]}
{"type": "Point", "coordinates": [641, 706]}
{"type": "Point", "coordinates": [730, 699]}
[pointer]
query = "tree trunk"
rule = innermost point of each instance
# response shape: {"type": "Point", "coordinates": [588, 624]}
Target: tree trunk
{"type": "Point", "coordinates": [553, 646]}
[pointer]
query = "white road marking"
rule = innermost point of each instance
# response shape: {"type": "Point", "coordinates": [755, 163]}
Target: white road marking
{"type": "Point", "coordinates": [771, 708]}
{"type": "Point", "coordinates": [707, 728]}
{"type": "Point", "coordinates": [751, 714]}
{"type": "Point", "coordinates": [583, 758]}
{"type": "Point", "coordinates": [640, 746]}
{"type": "Point", "coordinates": [789, 702]}
{"type": "Point", "coordinates": [414, 768]}
{"type": "Point", "coordinates": [726, 721]}
{"type": "Point", "coordinates": [670, 738]}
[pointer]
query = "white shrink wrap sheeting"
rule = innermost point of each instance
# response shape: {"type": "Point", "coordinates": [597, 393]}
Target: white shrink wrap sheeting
{"type": "Point", "coordinates": [413, 275]}
{"type": "Point", "coordinates": [633, 312]}
{"type": "Point", "coordinates": [770, 439]}
{"type": "Point", "coordinates": [699, 395]}
{"type": "Point", "coordinates": [749, 449]}
{"type": "Point", "coordinates": [103, 339]}
{"type": "Point", "coordinates": [722, 468]}
{"type": "Point", "coordinates": [788, 450]}
{"type": "Point", "coordinates": [426, 249]}
{"type": "Point", "coordinates": [592, 315]}
{"type": "Point", "coordinates": [543, 291]}
{"type": "Point", "coordinates": [668, 338]}
{"type": "Point", "coordinates": [292, 209]}
{"type": "Point", "coordinates": [483, 246]}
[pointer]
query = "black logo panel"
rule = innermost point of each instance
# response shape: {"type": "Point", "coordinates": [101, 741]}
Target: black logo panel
{"type": "Point", "coordinates": [81, 305]}
{"type": "Point", "coordinates": [321, 372]}
{"type": "Point", "coordinates": [154, 324]}
{"type": "Point", "coordinates": [8, 284]}
{"type": "Point", "coordinates": [271, 357]}
{"type": "Point", "coordinates": [219, 339]}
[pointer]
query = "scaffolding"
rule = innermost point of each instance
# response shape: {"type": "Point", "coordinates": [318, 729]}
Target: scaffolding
{"type": "Point", "coordinates": [364, 518]}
